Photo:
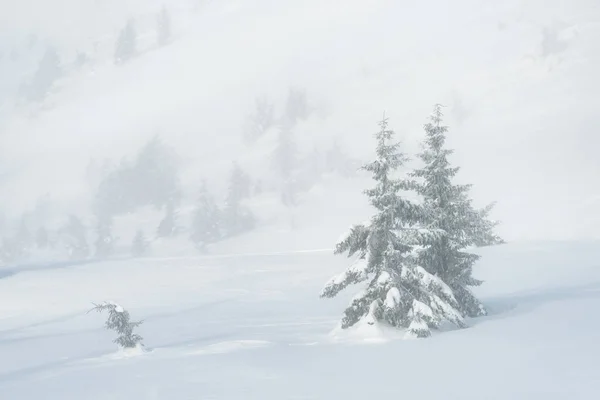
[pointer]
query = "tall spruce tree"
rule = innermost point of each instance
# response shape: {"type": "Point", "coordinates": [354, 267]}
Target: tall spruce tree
{"type": "Point", "coordinates": [239, 184]}
{"type": "Point", "coordinates": [168, 225]}
{"type": "Point", "coordinates": [126, 46]}
{"type": "Point", "coordinates": [398, 290]}
{"type": "Point", "coordinates": [451, 210]}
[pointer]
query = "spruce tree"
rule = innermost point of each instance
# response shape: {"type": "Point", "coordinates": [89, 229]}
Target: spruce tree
{"type": "Point", "coordinates": [237, 218]}
{"type": "Point", "coordinates": [139, 245]}
{"type": "Point", "coordinates": [119, 321]}
{"type": "Point", "coordinates": [48, 72]}
{"type": "Point", "coordinates": [155, 174]}
{"type": "Point", "coordinates": [296, 106]}
{"type": "Point", "coordinates": [163, 25]}
{"type": "Point", "coordinates": [168, 225]}
{"type": "Point", "coordinates": [398, 291]}
{"type": "Point", "coordinates": [126, 46]}
{"type": "Point", "coordinates": [206, 223]}
{"type": "Point", "coordinates": [239, 184]}
{"type": "Point", "coordinates": [75, 238]}
{"type": "Point", "coordinates": [150, 179]}
{"type": "Point", "coordinates": [451, 210]}
{"type": "Point", "coordinates": [261, 121]}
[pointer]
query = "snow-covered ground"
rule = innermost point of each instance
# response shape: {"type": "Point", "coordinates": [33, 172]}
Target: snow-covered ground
{"type": "Point", "coordinates": [253, 327]}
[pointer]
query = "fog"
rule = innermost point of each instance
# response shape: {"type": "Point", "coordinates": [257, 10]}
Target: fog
{"type": "Point", "coordinates": [191, 169]}
{"type": "Point", "coordinates": [518, 80]}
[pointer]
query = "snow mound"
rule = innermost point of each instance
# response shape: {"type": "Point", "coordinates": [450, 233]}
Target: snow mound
{"type": "Point", "coordinates": [230, 346]}
{"type": "Point", "coordinates": [365, 333]}
{"type": "Point", "coordinates": [121, 354]}
{"type": "Point", "coordinates": [130, 352]}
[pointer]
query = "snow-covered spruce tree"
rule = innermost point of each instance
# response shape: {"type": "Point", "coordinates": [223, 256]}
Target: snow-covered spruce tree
{"type": "Point", "coordinates": [260, 121]}
{"type": "Point", "coordinates": [118, 321]}
{"type": "Point", "coordinates": [484, 230]}
{"type": "Point", "coordinates": [150, 179]}
{"type": "Point", "coordinates": [155, 175]}
{"type": "Point", "coordinates": [139, 245]}
{"type": "Point", "coordinates": [398, 291]}
{"type": "Point", "coordinates": [450, 209]}
{"type": "Point", "coordinates": [168, 225]}
{"type": "Point", "coordinates": [206, 223]}
{"type": "Point", "coordinates": [163, 26]}
{"type": "Point", "coordinates": [239, 184]}
{"type": "Point", "coordinates": [126, 46]}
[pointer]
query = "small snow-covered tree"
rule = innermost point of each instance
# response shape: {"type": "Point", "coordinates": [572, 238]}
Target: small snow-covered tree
{"type": "Point", "coordinates": [206, 223]}
{"type": "Point", "coordinates": [240, 184]}
{"type": "Point", "coordinates": [126, 46]}
{"type": "Point", "coordinates": [398, 290]}
{"type": "Point", "coordinates": [163, 25]}
{"type": "Point", "coordinates": [119, 321]}
{"type": "Point", "coordinates": [105, 241]}
{"type": "Point", "coordinates": [139, 245]}
{"type": "Point", "coordinates": [451, 210]}
{"type": "Point", "coordinates": [168, 225]}
{"type": "Point", "coordinates": [150, 179]}
{"type": "Point", "coordinates": [155, 173]}
{"type": "Point", "coordinates": [260, 121]}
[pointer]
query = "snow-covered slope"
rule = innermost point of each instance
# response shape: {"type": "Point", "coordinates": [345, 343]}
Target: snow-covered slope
{"type": "Point", "coordinates": [253, 327]}
{"type": "Point", "coordinates": [519, 79]}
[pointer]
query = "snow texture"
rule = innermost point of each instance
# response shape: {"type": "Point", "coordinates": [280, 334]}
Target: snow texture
{"type": "Point", "coordinates": [220, 319]}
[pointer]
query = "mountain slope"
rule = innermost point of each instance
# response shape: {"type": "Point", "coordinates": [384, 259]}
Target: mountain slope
{"type": "Point", "coordinates": [518, 81]}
